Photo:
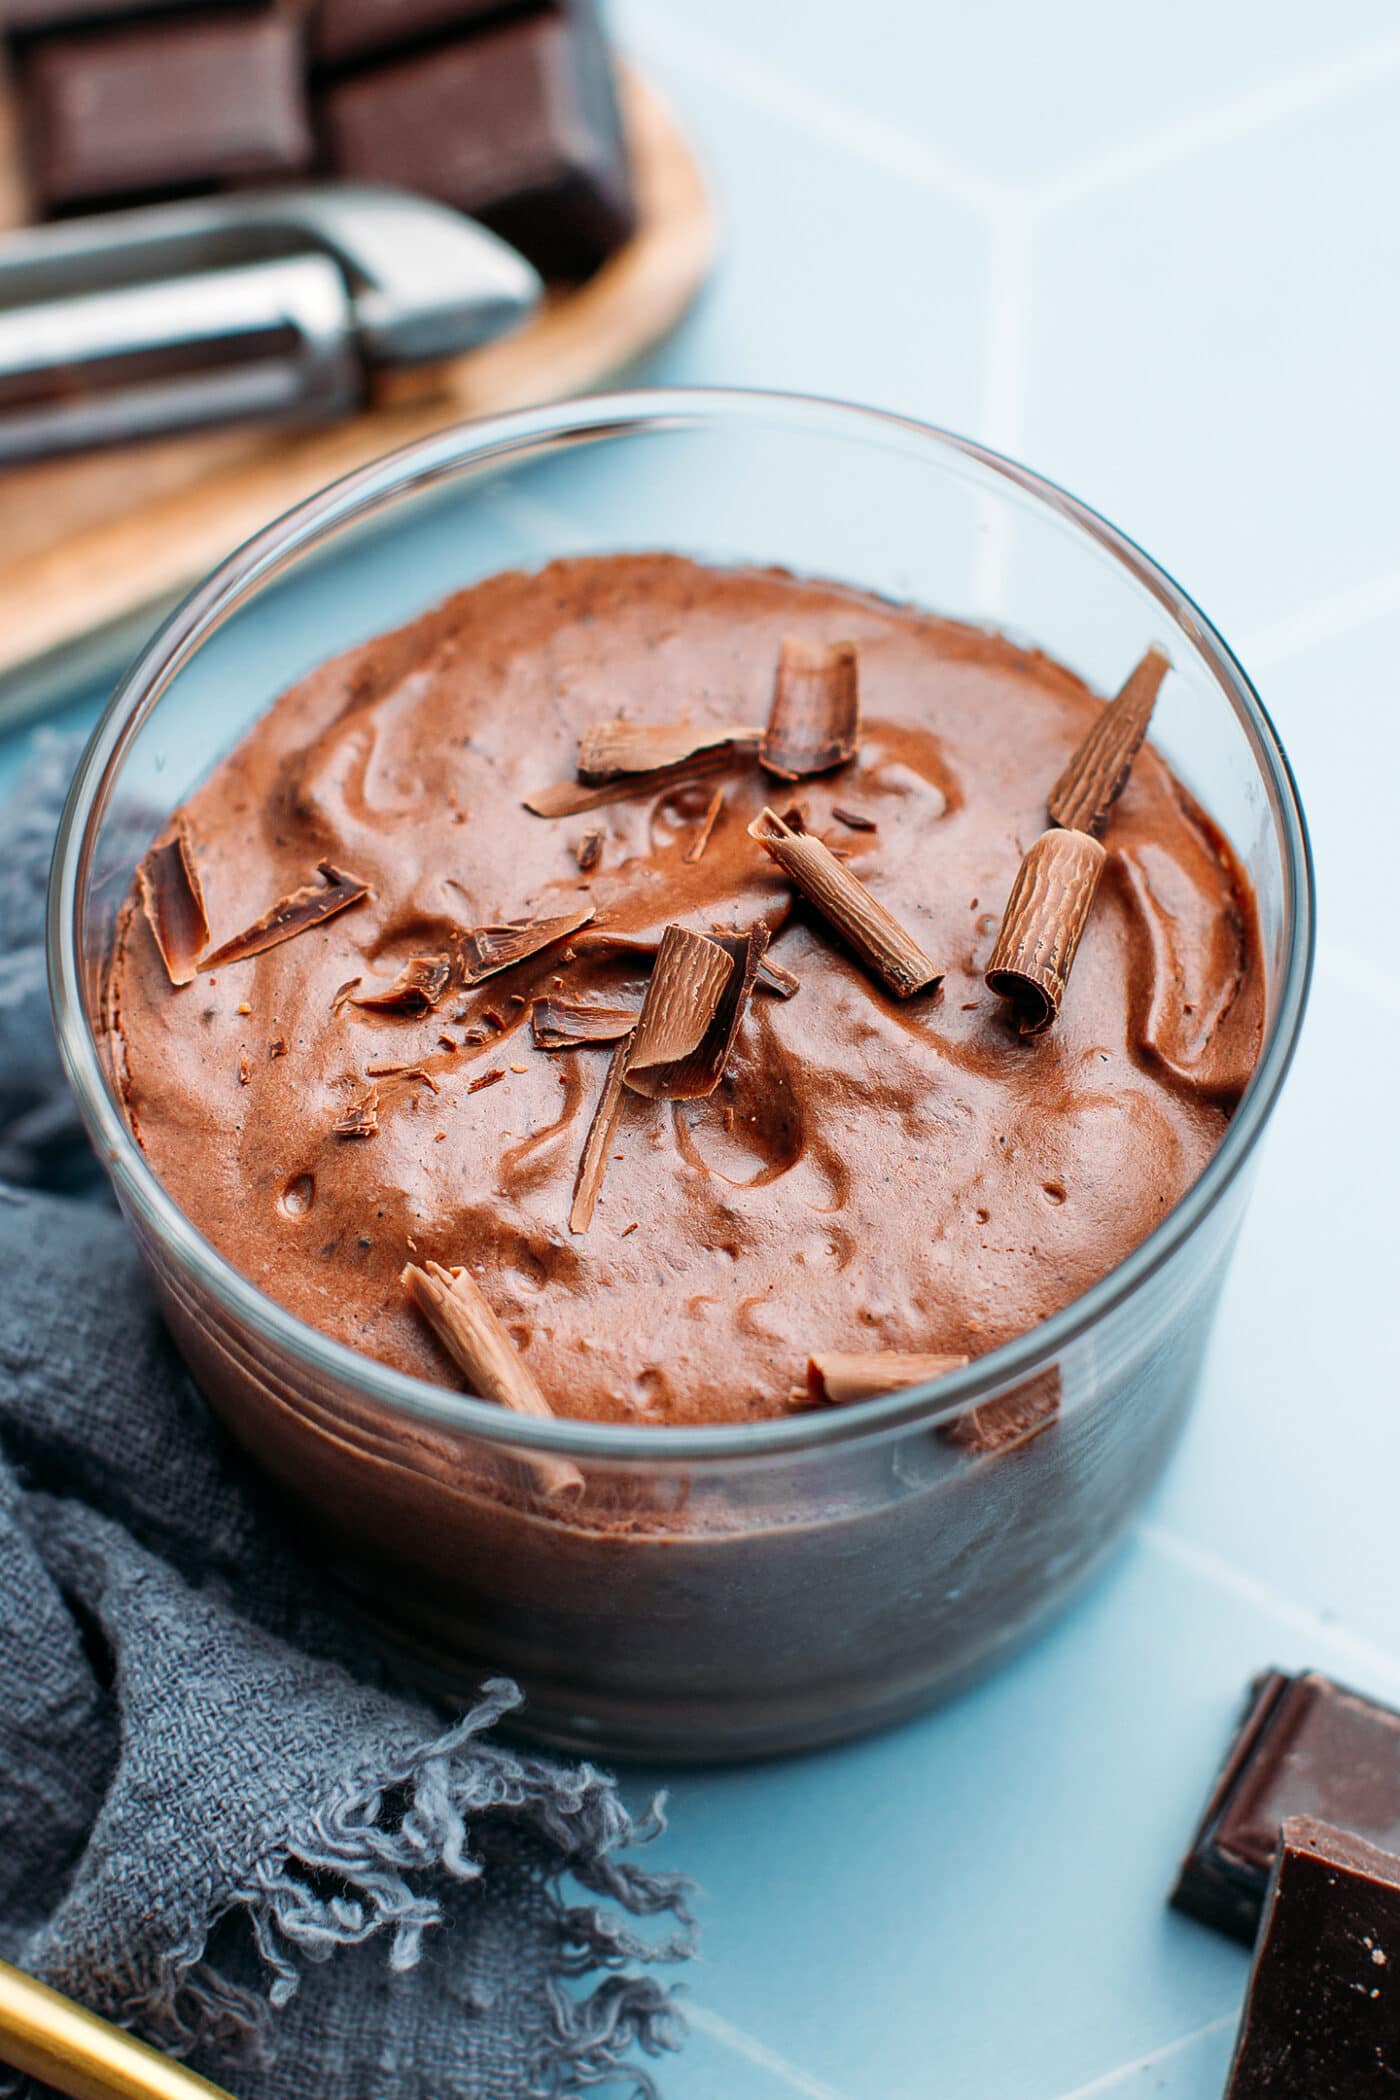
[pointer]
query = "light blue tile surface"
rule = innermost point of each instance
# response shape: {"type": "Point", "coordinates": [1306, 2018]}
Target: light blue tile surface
{"type": "Point", "coordinates": [1154, 252]}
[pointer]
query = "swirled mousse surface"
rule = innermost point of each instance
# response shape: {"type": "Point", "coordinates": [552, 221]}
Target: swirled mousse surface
{"type": "Point", "coordinates": [871, 1173]}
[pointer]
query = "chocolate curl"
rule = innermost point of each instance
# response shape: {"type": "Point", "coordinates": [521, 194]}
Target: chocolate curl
{"type": "Point", "coordinates": [416, 990]}
{"type": "Point", "coordinates": [1098, 772]}
{"type": "Point", "coordinates": [452, 1303]}
{"type": "Point", "coordinates": [683, 998]}
{"type": "Point", "coordinates": [1006, 1424]}
{"type": "Point", "coordinates": [839, 1378]}
{"type": "Point", "coordinates": [843, 900]}
{"type": "Point", "coordinates": [565, 1024]}
{"type": "Point", "coordinates": [609, 750]}
{"type": "Point", "coordinates": [601, 1131]}
{"type": "Point", "coordinates": [815, 720]}
{"type": "Point", "coordinates": [487, 949]}
{"type": "Point", "coordinates": [1041, 927]}
{"type": "Point", "coordinates": [303, 909]}
{"type": "Point", "coordinates": [172, 898]}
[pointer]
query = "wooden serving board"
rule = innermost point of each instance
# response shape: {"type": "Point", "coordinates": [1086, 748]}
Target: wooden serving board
{"type": "Point", "coordinates": [90, 545]}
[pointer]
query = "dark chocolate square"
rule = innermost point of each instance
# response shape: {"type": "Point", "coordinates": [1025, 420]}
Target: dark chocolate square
{"type": "Point", "coordinates": [1322, 2018]}
{"type": "Point", "coordinates": [518, 127]}
{"type": "Point", "coordinates": [1305, 1747]}
{"type": "Point", "coordinates": [345, 31]}
{"type": "Point", "coordinates": [161, 108]}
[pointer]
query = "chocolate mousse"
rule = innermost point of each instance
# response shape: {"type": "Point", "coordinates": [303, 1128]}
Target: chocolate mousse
{"type": "Point", "coordinates": [582, 886]}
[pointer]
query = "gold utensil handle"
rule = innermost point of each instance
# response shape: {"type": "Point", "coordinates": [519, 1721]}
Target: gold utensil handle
{"type": "Point", "coordinates": [50, 2037]}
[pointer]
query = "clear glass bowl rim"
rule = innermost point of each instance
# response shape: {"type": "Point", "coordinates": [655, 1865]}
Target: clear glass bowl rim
{"type": "Point", "coordinates": [435, 459]}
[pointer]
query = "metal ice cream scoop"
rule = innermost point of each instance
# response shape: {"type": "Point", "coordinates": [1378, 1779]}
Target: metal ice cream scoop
{"type": "Point", "coordinates": [277, 304]}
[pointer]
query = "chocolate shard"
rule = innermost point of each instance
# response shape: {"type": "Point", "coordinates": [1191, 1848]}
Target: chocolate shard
{"type": "Point", "coordinates": [852, 819]}
{"type": "Point", "coordinates": [837, 1378]}
{"type": "Point", "coordinates": [772, 977]}
{"type": "Point", "coordinates": [570, 798]}
{"type": "Point", "coordinates": [695, 851]}
{"type": "Point", "coordinates": [846, 904]}
{"type": "Point", "coordinates": [1043, 924]}
{"type": "Point", "coordinates": [1098, 772]}
{"type": "Point", "coordinates": [305, 908]}
{"type": "Point", "coordinates": [340, 997]}
{"type": "Point", "coordinates": [1013, 1420]}
{"type": "Point", "coordinates": [609, 750]}
{"type": "Point", "coordinates": [1322, 2017]}
{"type": "Point", "coordinates": [487, 949]}
{"type": "Point", "coordinates": [1304, 1744]}
{"type": "Point", "coordinates": [695, 1001]}
{"type": "Point", "coordinates": [454, 1306]}
{"type": "Point", "coordinates": [172, 898]}
{"type": "Point", "coordinates": [416, 990]}
{"type": "Point", "coordinates": [589, 851]}
{"type": "Point", "coordinates": [601, 1132]}
{"type": "Point", "coordinates": [563, 1024]}
{"type": "Point", "coordinates": [360, 1119]}
{"type": "Point", "coordinates": [491, 1078]}
{"type": "Point", "coordinates": [814, 724]}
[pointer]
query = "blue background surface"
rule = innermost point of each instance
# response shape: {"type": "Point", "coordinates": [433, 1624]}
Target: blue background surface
{"type": "Point", "coordinates": [1153, 253]}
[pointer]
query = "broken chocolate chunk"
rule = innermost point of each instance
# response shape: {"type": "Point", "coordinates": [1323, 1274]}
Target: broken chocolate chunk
{"type": "Point", "coordinates": [843, 900]}
{"type": "Point", "coordinates": [304, 909]}
{"type": "Point", "coordinates": [1304, 1745]}
{"type": "Point", "coordinates": [487, 949]}
{"type": "Point", "coordinates": [172, 898]}
{"type": "Point", "coordinates": [1322, 2017]}
{"type": "Point", "coordinates": [1043, 924]}
{"type": "Point", "coordinates": [815, 720]}
{"type": "Point", "coordinates": [1011, 1421]}
{"type": "Point", "coordinates": [360, 1119]}
{"type": "Point", "coordinates": [416, 990]}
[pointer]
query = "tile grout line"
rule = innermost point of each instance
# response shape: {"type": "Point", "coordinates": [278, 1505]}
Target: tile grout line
{"type": "Point", "coordinates": [1367, 1656]}
{"type": "Point", "coordinates": [852, 130]}
{"type": "Point", "coordinates": [1154, 2057]}
{"type": "Point", "coordinates": [759, 2054]}
{"type": "Point", "coordinates": [1325, 620]}
{"type": "Point", "coordinates": [1294, 93]}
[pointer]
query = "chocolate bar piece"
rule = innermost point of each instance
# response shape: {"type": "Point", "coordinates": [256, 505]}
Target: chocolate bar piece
{"type": "Point", "coordinates": [1305, 1746]}
{"type": "Point", "coordinates": [342, 31]}
{"type": "Point", "coordinates": [24, 18]}
{"type": "Point", "coordinates": [518, 127]}
{"type": "Point", "coordinates": [1322, 2018]}
{"type": "Point", "coordinates": [145, 111]}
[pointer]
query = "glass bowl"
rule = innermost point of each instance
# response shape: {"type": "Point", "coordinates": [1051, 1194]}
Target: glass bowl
{"type": "Point", "coordinates": [728, 1591]}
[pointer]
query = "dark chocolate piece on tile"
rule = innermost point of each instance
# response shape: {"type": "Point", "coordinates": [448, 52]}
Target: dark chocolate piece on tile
{"type": "Point", "coordinates": [1304, 1746]}
{"type": "Point", "coordinates": [164, 108]}
{"type": "Point", "coordinates": [1322, 2017]}
{"type": "Point", "coordinates": [519, 127]}
{"type": "Point", "coordinates": [342, 32]}
{"type": "Point", "coordinates": [26, 18]}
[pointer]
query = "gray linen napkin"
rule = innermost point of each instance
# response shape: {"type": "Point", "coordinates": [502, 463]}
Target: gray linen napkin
{"type": "Point", "coordinates": [218, 1825]}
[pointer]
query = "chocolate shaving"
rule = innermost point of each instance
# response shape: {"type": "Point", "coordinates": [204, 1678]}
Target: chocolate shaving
{"type": "Point", "coordinates": [695, 851]}
{"type": "Point", "coordinates": [562, 1024]}
{"type": "Point", "coordinates": [589, 851]}
{"type": "Point", "coordinates": [277, 1047]}
{"type": "Point", "coordinates": [342, 993]}
{"type": "Point", "coordinates": [245, 1069]}
{"type": "Point", "coordinates": [452, 1303]}
{"type": "Point", "coordinates": [1098, 772]}
{"type": "Point", "coordinates": [172, 898]}
{"type": "Point", "coordinates": [863, 1374]}
{"type": "Point", "coordinates": [601, 1131]}
{"type": "Point", "coordinates": [416, 990]}
{"type": "Point", "coordinates": [361, 1118]}
{"type": "Point", "coordinates": [1005, 1424]}
{"type": "Point", "coordinates": [682, 1034]}
{"type": "Point", "coordinates": [772, 977]}
{"type": "Point", "coordinates": [843, 900]}
{"type": "Point", "coordinates": [570, 798]}
{"type": "Point", "coordinates": [1045, 916]}
{"type": "Point", "coordinates": [487, 949]}
{"type": "Point", "coordinates": [305, 908]}
{"type": "Point", "coordinates": [815, 720]}
{"type": "Point", "coordinates": [609, 750]}
{"type": "Point", "coordinates": [852, 819]}
{"type": "Point", "coordinates": [490, 1078]}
